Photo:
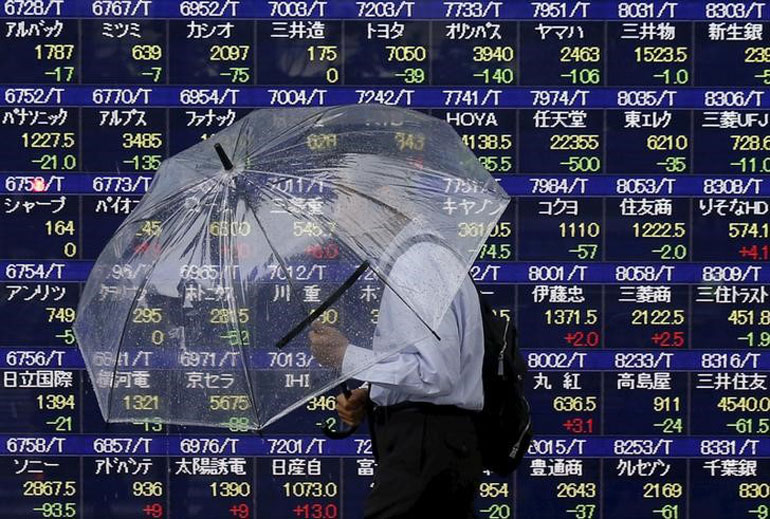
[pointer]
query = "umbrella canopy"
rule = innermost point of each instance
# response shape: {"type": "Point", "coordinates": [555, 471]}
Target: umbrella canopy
{"type": "Point", "coordinates": [196, 311]}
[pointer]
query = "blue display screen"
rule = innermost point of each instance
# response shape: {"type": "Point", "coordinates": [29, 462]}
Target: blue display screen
{"type": "Point", "coordinates": [633, 258]}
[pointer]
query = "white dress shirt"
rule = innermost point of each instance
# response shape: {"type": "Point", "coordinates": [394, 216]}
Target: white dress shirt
{"type": "Point", "coordinates": [444, 372]}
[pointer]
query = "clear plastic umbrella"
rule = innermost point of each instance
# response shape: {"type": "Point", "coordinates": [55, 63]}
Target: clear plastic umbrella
{"type": "Point", "coordinates": [197, 310]}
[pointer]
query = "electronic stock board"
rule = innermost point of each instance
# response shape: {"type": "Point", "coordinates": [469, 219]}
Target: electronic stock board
{"type": "Point", "coordinates": [633, 258]}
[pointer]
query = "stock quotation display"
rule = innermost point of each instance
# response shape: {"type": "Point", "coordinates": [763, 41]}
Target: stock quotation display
{"type": "Point", "coordinates": [633, 258]}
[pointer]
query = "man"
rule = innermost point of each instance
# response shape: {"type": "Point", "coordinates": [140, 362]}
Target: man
{"type": "Point", "coordinates": [424, 396]}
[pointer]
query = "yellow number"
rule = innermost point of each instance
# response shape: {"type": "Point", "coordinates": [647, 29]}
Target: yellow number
{"type": "Point", "coordinates": [230, 489]}
{"type": "Point", "coordinates": [147, 315]}
{"type": "Point", "coordinates": [225, 228]}
{"type": "Point", "coordinates": [757, 55]}
{"type": "Point", "coordinates": [146, 52]}
{"type": "Point", "coordinates": [580, 54]}
{"type": "Point", "coordinates": [54, 51]}
{"type": "Point", "coordinates": [147, 488]}
{"type": "Point", "coordinates": [486, 53]}
{"type": "Point", "coordinates": [61, 314]}
{"type": "Point", "coordinates": [229, 52]}
{"type": "Point", "coordinates": [229, 403]}
{"type": "Point", "coordinates": [150, 228]}
{"type": "Point", "coordinates": [667, 142]}
{"type": "Point", "coordinates": [321, 141]}
{"type": "Point", "coordinates": [142, 140]}
{"type": "Point", "coordinates": [406, 53]}
{"type": "Point", "coordinates": [661, 54]}
{"type": "Point", "coordinates": [48, 139]}
{"type": "Point", "coordinates": [412, 141]}
{"type": "Point", "coordinates": [575, 142]}
{"type": "Point", "coordinates": [225, 316]}
{"type": "Point", "coordinates": [141, 402]}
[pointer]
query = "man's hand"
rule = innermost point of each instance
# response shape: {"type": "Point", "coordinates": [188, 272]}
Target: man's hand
{"type": "Point", "coordinates": [353, 409]}
{"type": "Point", "coordinates": [327, 344]}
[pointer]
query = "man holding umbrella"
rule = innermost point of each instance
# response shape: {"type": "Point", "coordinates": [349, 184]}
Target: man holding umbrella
{"type": "Point", "coordinates": [423, 397]}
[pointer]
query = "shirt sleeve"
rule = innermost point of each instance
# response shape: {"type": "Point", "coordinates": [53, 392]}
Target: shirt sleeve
{"type": "Point", "coordinates": [422, 365]}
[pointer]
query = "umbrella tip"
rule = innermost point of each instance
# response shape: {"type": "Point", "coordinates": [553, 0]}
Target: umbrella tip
{"type": "Point", "coordinates": [223, 157]}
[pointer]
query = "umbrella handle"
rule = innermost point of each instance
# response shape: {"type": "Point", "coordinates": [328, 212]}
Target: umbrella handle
{"type": "Point", "coordinates": [342, 431]}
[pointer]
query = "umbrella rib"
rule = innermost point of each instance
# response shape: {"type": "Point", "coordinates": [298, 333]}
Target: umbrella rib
{"type": "Point", "coordinates": [276, 181]}
{"type": "Point", "coordinates": [228, 248]}
{"type": "Point", "coordinates": [336, 134]}
{"type": "Point", "coordinates": [330, 181]}
{"type": "Point", "coordinates": [164, 201]}
{"type": "Point", "coordinates": [370, 198]}
{"type": "Point", "coordinates": [409, 306]}
{"type": "Point", "coordinates": [323, 306]}
{"type": "Point", "coordinates": [313, 218]}
{"type": "Point", "coordinates": [142, 286]}
{"type": "Point", "coordinates": [238, 139]}
{"type": "Point", "coordinates": [321, 222]}
{"type": "Point", "coordinates": [278, 257]}
{"type": "Point", "coordinates": [289, 129]}
{"type": "Point", "coordinates": [333, 181]}
{"type": "Point", "coordinates": [268, 187]}
{"type": "Point", "coordinates": [235, 305]}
